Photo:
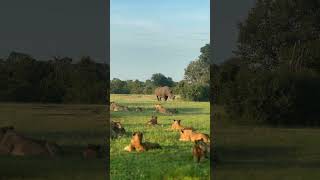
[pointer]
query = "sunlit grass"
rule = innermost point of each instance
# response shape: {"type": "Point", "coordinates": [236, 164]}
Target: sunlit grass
{"type": "Point", "coordinates": [174, 160]}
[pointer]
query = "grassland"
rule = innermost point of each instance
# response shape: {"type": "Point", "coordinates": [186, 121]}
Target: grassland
{"type": "Point", "coordinates": [174, 160]}
{"type": "Point", "coordinates": [265, 153]}
{"type": "Point", "coordinates": [71, 126]}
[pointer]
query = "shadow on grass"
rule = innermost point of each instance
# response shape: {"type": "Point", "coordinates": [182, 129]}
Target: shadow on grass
{"type": "Point", "coordinates": [262, 157]}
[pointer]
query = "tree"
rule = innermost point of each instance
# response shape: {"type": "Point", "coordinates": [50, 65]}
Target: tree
{"type": "Point", "coordinates": [281, 33]}
{"type": "Point", "coordinates": [198, 71]}
{"type": "Point", "coordinates": [159, 79]}
{"type": "Point", "coordinates": [119, 87]}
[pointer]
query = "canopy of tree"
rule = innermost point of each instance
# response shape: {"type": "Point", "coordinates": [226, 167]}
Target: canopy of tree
{"type": "Point", "coordinates": [274, 77]}
{"type": "Point", "coordinates": [25, 79]}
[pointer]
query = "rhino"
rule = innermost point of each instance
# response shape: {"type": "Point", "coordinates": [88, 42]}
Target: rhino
{"type": "Point", "coordinates": [164, 92]}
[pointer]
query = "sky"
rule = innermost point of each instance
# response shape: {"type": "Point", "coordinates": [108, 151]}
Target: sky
{"type": "Point", "coordinates": [152, 36]}
{"type": "Point", "coordinates": [226, 16]}
{"type": "Point", "coordinates": [45, 28]}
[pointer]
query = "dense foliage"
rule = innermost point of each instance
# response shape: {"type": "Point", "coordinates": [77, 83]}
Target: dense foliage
{"type": "Point", "coordinates": [25, 79]}
{"type": "Point", "coordinates": [275, 77]}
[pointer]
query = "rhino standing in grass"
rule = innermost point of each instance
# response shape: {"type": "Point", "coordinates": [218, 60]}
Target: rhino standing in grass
{"type": "Point", "coordinates": [164, 92]}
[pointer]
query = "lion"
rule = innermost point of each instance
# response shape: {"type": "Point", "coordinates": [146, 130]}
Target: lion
{"type": "Point", "coordinates": [116, 129]}
{"type": "Point", "coordinates": [176, 125]}
{"type": "Point", "coordinates": [153, 121]}
{"type": "Point", "coordinates": [116, 107]}
{"type": "Point", "coordinates": [18, 145]}
{"type": "Point", "coordinates": [200, 150]}
{"type": "Point", "coordinates": [92, 151]}
{"type": "Point", "coordinates": [159, 108]}
{"type": "Point", "coordinates": [137, 144]}
{"type": "Point", "coordinates": [187, 134]}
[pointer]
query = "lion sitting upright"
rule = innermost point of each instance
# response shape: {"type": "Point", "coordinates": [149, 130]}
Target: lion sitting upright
{"type": "Point", "coordinates": [176, 125]}
{"type": "Point", "coordinates": [200, 150]}
{"type": "Point", "coordinates": [187, 134]}
{"type": "Point", "coordinates": [153, 121]}
{"type": "Point", "coordinates": [137, 144]}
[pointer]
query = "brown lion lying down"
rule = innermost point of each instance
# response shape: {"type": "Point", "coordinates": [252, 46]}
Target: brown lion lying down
{"type": "Point", "coordinates": [117, 107]}
{"type": "Point", "coordinates": [187, 134]}
{"type": "Point", "coordinates": [15, 144]}
{"type": "Point", "coordinates": [137, 144]}
{"type": "Point", "coordinates": [159, 108]}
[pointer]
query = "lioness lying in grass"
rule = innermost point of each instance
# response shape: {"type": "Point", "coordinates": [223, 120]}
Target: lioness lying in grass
{"type": "Point", "coordinates": [200, 150]}
{"type": "Point", "coordinates": [18, 145]}
{"type": "Point", "coordinates": [187, 134]}
{"type": "Point", "coordinates": [117, 107]}
{"type": "Point", "coordinates": [159, 108]}
{"type": "Point", "coordinates": [137, 144]}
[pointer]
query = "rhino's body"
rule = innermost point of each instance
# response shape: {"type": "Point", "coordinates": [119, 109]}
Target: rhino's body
{"type": "Point", "coordinates": [164, 92]}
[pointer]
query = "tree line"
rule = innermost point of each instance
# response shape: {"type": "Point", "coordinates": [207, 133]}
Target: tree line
{"type": "Point", "coordinates": [274, 76]}
{"type": "Point", "coordinates": [194, 86]}
{"type": "Point", "coordinates": [58, 80]}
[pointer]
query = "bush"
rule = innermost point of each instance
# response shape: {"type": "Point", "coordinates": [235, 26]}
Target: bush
{"type": "Point", "coordinates": [194, 92]}
{"type": "Point", "coordinates": [275, 98]}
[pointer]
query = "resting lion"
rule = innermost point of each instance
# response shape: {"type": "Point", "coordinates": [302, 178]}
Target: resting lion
{"type": "Point", "coordinates": [117, 107]}
{"type": "Point", "coordinates": [137, 144]}
{"type": "Point", "coordinates": [18, 145]}
{"type": "Point", "coordinates": [187, 134]}
{"type": "Point", "coordinates": [159, 108]}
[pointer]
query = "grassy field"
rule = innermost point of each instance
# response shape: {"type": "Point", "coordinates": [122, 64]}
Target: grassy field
{"type": "Point", "coordinates": [71, 126]}
{"type": "Point", "coordinates": [174, 160]}
{"type": "Point", "coordinates": [250, 153]}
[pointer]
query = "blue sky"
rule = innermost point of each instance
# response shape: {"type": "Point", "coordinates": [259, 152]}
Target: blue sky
{"type": "Point", "coordinates": [156, 36]}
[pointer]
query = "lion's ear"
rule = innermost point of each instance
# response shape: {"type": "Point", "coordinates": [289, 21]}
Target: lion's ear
{"type": "Point", "coordinates": [179, 120]}
{"type": "Point", "coordinates": [134, 134]}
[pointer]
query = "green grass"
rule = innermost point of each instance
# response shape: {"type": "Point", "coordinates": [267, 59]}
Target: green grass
{"type": "Point", "coordinates": [71, 126]}
{"type": "Point", "coordinates": [174, 160]}
{"type": "Point", "coordinates": [264, 153]}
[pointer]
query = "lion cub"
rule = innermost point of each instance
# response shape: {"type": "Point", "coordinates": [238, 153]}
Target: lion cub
{"type": "Point", "coordinates": [137, 144]}
{"type": "Point", "coordinates": [200, 150]}
{"type": "Point", "coordinates": [187, 134]}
